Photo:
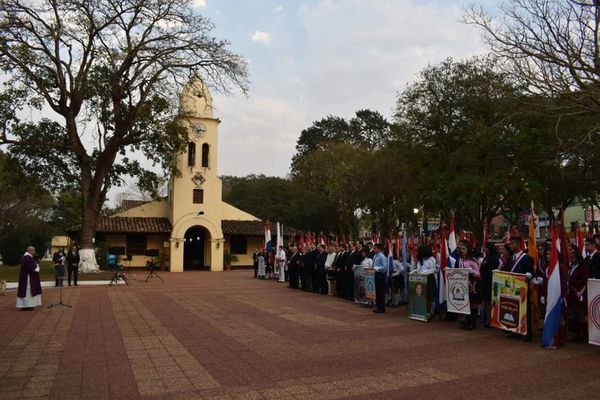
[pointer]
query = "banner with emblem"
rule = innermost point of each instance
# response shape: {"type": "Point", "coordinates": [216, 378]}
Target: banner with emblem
{"type": "Point", "coordinates": [457, 290]}
{"type": "Point", "coordinates": [509, 302]}
{"type": "Point", "coordinates": [370, 293]}
{"type": "Point", "coordinates": [421, 288]}
{"type": "Point", "coordinates": [593, 295]}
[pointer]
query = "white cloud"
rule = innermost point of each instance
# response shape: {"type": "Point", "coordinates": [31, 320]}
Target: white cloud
{"type": "Point", "coordinates": [200, 3]}
{"type": "Point", "coordinates": [278, 9]}
{"type": "Point", "coordinates": [360, 54]}
{"type": "Point", "coordinates": [261, 37]}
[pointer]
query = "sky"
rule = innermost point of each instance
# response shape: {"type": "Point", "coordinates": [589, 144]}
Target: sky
{"type": "Point", "coordinates": [314, 58]}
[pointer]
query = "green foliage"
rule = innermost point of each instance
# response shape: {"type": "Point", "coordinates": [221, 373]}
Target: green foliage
{"type": "Point", "coordinates": [279, 199]}
{"type": "Point", "coordinates": [25, 208]}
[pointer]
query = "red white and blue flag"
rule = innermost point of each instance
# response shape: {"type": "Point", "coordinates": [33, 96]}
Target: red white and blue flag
{"type": "Point", "coordinates": [554, 296]}
{"type": "Point", "coordinates": [452, 236]}
{"type": "Point", "coordinates": [443, 265]}
{"type": "Point", "coordinates": [268, 243]}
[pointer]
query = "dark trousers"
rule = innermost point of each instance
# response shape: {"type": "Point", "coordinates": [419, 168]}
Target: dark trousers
{"type": "Point", "coordinates": [255, 270]}
{"type": "Point", "coordinates": [380, 291]}
{"type": "Point", "coordinates": [320, 281]}
{"type": "Point", "coordinates": [59, 275]}
{"type": "Point", "coordinates": [293, 272]}
{"type": "Point", "coordinates": [349, 285]}
{"type": "Point", "coordinates": [316, 282]}
{"type": "Point", "coordinates": [73, 271]}
{"type": "Point", "coordinates": [339, 283]}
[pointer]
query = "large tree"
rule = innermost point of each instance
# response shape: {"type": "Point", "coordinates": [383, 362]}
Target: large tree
{"type": "Point", "coordinates": [551, 46]}
{"type": "Point", "coordinates": [109, 72]}
{"type": "Point", "coordinates": [456, 120]}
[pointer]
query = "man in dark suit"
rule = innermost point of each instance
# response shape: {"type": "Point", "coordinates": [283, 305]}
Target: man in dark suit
{"type": "Point", "coordinates": [320, 277]}
{"type": "Point", "coordinates": [521, 263]}
{"type": "Point", "coordinates": [340, 268]}
{"type": "Point", "coordinates": [348, 281]}
{"type": "Point", "coordinates": [294, 265]}
{"type": "Point", "coordinates": [308, 266]}
{"type": "Point", "coordinates": [593, 258]}
{"type": "Point", "coordinates": [255, 262]}
{"type": "Point", "coordinates": [73, 265]}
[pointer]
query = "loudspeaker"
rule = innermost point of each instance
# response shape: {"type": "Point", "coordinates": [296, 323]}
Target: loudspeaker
{"type": "Point", "coordinates": [152, 253]}
{"type": "Point", "coordinates": [117, 251]}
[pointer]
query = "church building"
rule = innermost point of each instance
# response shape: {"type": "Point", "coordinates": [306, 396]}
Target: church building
{"type": "Point", "coordinates": [192, 227]}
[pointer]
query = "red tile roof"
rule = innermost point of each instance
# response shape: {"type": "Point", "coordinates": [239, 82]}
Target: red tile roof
{"type": "Point", "coordinates": [162, 225]}
{"type": "Point", "coordinates": [250, 228]}
{"type": "Point", "coordinates": [130, 225]}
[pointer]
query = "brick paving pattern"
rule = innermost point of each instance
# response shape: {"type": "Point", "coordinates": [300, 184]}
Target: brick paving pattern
{"type": "Point", "coordinates": [228, 336]}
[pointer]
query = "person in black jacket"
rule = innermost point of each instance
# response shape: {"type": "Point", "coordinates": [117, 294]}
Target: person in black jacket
{"type": "Point", "coordinates": [58, 262]}
{"type": "Point", "coordinates": [294, 266]}
{"type": "Point", "coordinates": [491, 261]}
{"type": "Point", "coordinates": [593, 258]}
{"type": "Point", "coordinates": [73, 265]}
{"type": "Point", "coordinates": [308, 266]}
{"type": "Point", "coordinates": [340, 269]}
{"type": "Point", "coordinates": [320, 277]}
{"type": "Point", "coordinates": [522, 263]}
{"type": "Point", "coordinates": [255, 262]}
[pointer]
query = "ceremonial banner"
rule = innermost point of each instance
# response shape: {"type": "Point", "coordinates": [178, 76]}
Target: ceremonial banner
{"type": "Point", "coordinates": [369, 274]}
{"type": "Point", "coordinates": [457, 290]}
{"type": "Point", "coordinates": [359, 284]}
{"type": "Point", "coordinates": [421, 288]}
{"type": "Point", "coordinates": [509, 302]}
{"type": "Point", "coordinates": [593, 295]}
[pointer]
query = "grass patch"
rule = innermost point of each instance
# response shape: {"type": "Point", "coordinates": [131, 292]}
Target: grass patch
{"type": "Point", "coordinates": [10, 273]}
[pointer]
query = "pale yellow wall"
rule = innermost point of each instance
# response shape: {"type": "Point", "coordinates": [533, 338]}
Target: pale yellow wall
{"type": "Point", "coordinates": [153, 242]}
{"type": "Point", "coordinates": [253, 243]}
{"type": "Point", "coordinates": [155, 209]}
{"type": "Point", "coordinates": [234, 213]}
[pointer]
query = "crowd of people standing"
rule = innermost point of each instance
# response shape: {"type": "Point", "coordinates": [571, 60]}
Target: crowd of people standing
{"type": "Point", "coordinates": [330, 269]}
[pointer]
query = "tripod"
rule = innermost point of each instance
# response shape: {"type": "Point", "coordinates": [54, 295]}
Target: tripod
{"type": "Point", "coordinates": [152, 273]}
{"type": "Point", "coordinates": [60, 301]}
{"type": "Point", "coordinates": [117, 276]}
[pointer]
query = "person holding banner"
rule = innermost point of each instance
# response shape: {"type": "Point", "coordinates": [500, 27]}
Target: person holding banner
{"type": "Point", "coordinates": [491, 261]}
{"type": "Point", "coordinates": [577, 299]}
{"type": "Point", "coordinates": [468, 260]}
{"type": "Point", "coordinates": [426, 263]}
{"type": "Point", "coordinates": [521, 263]}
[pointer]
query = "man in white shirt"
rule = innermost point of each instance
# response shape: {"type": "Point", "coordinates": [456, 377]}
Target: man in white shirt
{"type": "Point", "coordinates": [280, 259]}
{"type": "Point", "coordinates": [380, 266]}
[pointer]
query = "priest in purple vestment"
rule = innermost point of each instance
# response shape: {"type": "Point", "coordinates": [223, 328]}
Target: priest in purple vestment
{"type": "Point", "coordinates": [29, 294]}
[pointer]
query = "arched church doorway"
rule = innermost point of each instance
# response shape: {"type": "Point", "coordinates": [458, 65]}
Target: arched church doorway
{"type": "Point", "coordinates": [196, 250]}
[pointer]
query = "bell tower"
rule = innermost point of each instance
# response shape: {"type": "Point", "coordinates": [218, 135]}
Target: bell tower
{"type": "Point", "coordinates": [195, 195]}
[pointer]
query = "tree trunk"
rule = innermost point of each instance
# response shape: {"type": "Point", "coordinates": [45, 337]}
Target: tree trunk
{"type": "Point", "coordinates": [90, 212]}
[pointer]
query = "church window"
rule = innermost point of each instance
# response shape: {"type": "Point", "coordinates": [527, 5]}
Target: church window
{"type": "Point", "coordinates": [205, 155]}
{"type": "Point", "coordinates": [239, 244]}
{"type": "Point", "coordinates": [136, 244]}
{"type": "Point", "coordinates": [191, 154]}
{"type": "Point", "coordinates": [198, 196]}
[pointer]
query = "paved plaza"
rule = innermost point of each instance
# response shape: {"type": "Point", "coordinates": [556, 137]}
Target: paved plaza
{"type": "Point", "coordinates": [228, 336]}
